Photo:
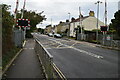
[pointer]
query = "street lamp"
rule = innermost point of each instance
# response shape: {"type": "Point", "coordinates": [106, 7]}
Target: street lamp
{"type": "Point", "coordinates": [69, 24]}
{"type": "Point", "coordinates": [69, 16]}
{"type": "Point", "coordinates": [98, 3]}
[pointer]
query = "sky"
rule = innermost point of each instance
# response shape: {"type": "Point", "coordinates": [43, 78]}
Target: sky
{"type": "Point", "coordinates": [57, 10]}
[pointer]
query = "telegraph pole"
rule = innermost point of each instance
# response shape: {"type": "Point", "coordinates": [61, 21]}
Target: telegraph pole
{"type": "Point", "coordinates": [51, 26]}
{"type": "Point", "coordinates": [80, 22]}
{"type": "Point", "coordinates": [106, 14]}
{"type": "Point", "coordinates": [69, 25]}
{"type": "Point", "coordinates": [98, 3]}
{"type": "Point", "coordinates": [51, 22]}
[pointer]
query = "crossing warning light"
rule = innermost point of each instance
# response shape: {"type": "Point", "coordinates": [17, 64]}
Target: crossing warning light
{"type": "Point", "coordinates": [23, 23]}
{"type": "Point", "coordinates": [103, 28]}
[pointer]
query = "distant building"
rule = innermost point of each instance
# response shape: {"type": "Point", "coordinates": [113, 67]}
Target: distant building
{"type": "Point", "coordinates": [119, 5]}
{"type": "Point", "coordinates": [89, 23]}
{"type": "Point", "coordinates": [48, 29]}
{"type": "Point", "coordinates": [62, 28]}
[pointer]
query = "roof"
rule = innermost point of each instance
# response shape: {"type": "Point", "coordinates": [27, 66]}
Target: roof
{"type": "Point", "coordinates": [63, 23]}
{"type": "Point", "coordinates": [48, 26]}
{"type": "Point", "coordinates": [78, 19]}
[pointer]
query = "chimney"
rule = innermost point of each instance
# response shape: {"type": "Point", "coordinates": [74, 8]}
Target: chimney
{"type": "Point", "coordinates": [67, 20]}
{"type": "Point", "coordinates": [60, 22]}
{"type": "Point", "coordinates": [91, 13]}
{"type": "Point", "coordinates": [72, 19]}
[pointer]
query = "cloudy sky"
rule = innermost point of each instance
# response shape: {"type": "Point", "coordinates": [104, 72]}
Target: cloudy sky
{"type": "Point", "coordinates": [58, 10]}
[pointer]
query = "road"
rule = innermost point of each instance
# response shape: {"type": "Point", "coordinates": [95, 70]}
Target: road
{"type": "Point", "coordinates": [78, 59]}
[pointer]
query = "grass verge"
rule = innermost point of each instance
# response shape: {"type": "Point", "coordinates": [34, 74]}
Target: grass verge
{"type": "Point", "coordinates": [6, 58]}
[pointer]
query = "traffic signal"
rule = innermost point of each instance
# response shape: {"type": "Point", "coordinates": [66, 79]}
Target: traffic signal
{"type": "Point", "coordinates": [23, 22]}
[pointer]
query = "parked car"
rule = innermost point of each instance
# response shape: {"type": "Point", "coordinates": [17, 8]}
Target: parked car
{"type": "Point", "coordinates": [50, 34]}
{"type": "Point", "coordinates": [57, 36]}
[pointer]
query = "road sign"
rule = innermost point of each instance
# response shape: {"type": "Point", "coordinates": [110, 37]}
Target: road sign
{"type": "Point", "coordinates": [23, 23]}
{"type": "Point", "coordinates": [108, 37]}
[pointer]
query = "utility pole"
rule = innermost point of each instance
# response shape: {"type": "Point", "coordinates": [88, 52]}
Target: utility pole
{"type": "Point", "coordinates": [80, 22]}
{"type": "Point", "coordinates": [69, 25]}
{"type": "Point", "coordinates": [106, 13]}
{"type": "Point", "coordinates": [98, 3]}
{"type": "Point", "coordinates": [104, 33]}
{"type": "Point", "coordinates": [51, 22]}
{"type": "Point", "coordinates": [51, 27]}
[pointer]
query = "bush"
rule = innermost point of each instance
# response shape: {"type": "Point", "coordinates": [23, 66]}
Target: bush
{"type": "Point", "coordinates": [28, 34]}
{"type": "Point", "coordinates": [6, 58]}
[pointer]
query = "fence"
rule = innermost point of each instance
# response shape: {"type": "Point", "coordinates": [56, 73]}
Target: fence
{"type": "Point", "coordinates": [116, 44]}
{"type": "Point", "coordinates": [18, 37]}
{"type": "Point", "coordinates": [106, 40]}
{"type": "Point", "coordinates": [81, 37]}
{"type": "Point", "coordinates": [45, 58]}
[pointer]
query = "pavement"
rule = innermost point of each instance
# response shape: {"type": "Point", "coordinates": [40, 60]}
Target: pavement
{"type": "Point", "coordinates": [78, 59]}
{"type": "Point", "coordinates": [26, 65]}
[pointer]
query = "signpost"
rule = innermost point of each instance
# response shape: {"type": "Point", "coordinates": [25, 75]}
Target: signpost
{"type": "Point", "coordinates": [104, 29]}
{"type": "Point", "coordinates": [108, 37]}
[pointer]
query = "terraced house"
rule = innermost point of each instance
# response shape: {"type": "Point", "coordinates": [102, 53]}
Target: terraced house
{"type": "Point", "coordinates": [62, 28]}
{"type": "Point", "coordinates": [87, 23]}
{"type": "Point", "coordinates": [48, 29]}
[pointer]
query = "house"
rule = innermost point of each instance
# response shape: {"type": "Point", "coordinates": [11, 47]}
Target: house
{"type": "Point", "coordinates": [88, 23]}
{"type": "Point", "coordinates": [62, 27]}
{"type": "Point", "coordinates": [48, 29]}
{"type": "Point", "coordinates": [55, 28]}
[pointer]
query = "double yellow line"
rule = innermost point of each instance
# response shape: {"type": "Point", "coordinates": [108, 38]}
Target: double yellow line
{"type": "Point", "coordinates": [61, 75]}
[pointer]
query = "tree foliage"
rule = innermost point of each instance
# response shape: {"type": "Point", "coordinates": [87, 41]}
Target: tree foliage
{"type": "Point", "coordinates": [41, 30]}
{"type": "Point", "coordinates": [35, 18]}
{"type": "Point", "coordinates": [7, 23]}
{"type": "Point", "coordinates": [115, 25]}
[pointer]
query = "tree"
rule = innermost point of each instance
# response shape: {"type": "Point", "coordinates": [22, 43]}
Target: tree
{"type": "Point", "coordinates": [35, 18]}
{"type": "Point", "coordinates": [7, 24]}
{"type": "Point", "coordinates": [41, 30]}
{"type": "Point", "coordinates": [115, 25]}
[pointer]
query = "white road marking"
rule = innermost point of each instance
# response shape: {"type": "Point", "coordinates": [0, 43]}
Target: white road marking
{"type": "Point", "coordinates": [67, 46]}
{"type": "Point", "coordinates": [48, 48]}
{"type": "Point", "coordinates": [28, 48]}
{"type": "Point", "coordinates": [82, 51]}
{"type": "Point", "coordinates": [74, 44]}
{"type": "Point", "coordinates": [58, 48]}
